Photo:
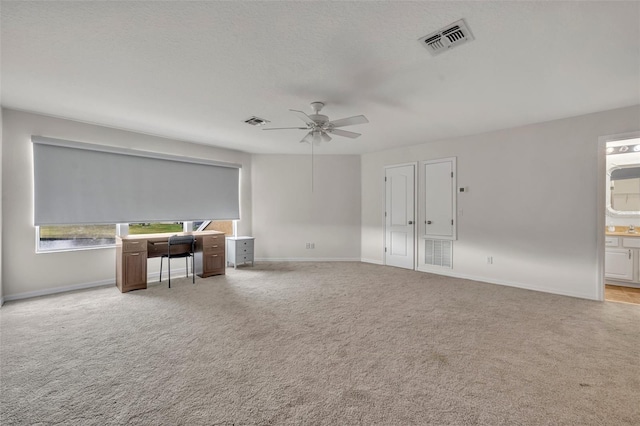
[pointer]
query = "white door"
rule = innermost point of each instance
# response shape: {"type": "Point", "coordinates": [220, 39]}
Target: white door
{"type": "Point", "coordinates": [399, 216]}
{"type": "Point", "coordinates": [439, 198]}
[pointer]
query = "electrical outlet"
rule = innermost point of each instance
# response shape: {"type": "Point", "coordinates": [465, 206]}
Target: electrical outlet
{"type": "Point", "coordinates": [313, 245]}
{"type": "Point", "coordinates": [490, 260]}
{"type": "Point", "coordinates": [308, 245]}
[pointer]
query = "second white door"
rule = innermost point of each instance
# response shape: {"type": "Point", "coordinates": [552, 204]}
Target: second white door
{"type": "Point", "coordinates": [399, 216]}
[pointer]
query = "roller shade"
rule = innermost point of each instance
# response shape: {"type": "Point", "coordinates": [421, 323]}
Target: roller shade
{"type": "Point", "coordinates": [79, 183]}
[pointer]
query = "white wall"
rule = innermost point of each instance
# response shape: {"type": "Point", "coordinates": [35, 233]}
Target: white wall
{"type": "Point", "coordinates": [26, 273]}
{"type": "Point", "coordinates": [531, 202]}
{"type": "Point", "coordinates": [1, 198]}
{"type": "Point", "coordinates": [287, 214]}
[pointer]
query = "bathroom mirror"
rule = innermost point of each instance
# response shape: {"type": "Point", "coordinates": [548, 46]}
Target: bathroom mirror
{"type": "Point", "coordinates": [623, 187]}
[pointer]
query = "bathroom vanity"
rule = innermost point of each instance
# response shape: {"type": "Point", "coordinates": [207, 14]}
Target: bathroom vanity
{"type": "Point", "coordinates": [622, 257]}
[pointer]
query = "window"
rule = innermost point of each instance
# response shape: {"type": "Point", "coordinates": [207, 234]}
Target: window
{"type": "Point", "coordinates": [155, 227]}
{"type": "Point", "coordinates": [74, 237]}
{"type": "Point", "coordinates": [77, 183]}
{"type": "Point", "coordinates": [51, 238]}
{"type": "Point", "coordinates": [225, 226]}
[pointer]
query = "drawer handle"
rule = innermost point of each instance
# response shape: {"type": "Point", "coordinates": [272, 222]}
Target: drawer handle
{"type": "Point", "coordinates": [215, 255]}
{"type": "Point", "coordinates": [135, 254]}
{"type": "Point", "coordinates": [134, 242]}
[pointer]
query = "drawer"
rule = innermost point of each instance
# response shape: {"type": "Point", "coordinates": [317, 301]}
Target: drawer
{"type": "Point", "coordinates": [157, 249]}
{"type": "Point", "coordinates": [631, 242]}
{"type": "Point", "coordinates": [213, 263]}
{"type": "Point", "coordinates": [244, 250]}
{"type": "Point", "coordinates": [611, 241]}
{"type": "Point", "coordinates": [244, 244]}
{"type": "Point", "coordinates": [130, 246]}
{"type": "Point", "coordinates": [213, 243]}
{"type": "Point", "coordinates": [244, 258]}
{"type": "Point", "coordinates": [213, 239]}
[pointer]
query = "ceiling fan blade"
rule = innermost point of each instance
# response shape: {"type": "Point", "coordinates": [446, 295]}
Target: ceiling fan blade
{"type": "Point", "coordinates": [302, 116]}
{"type": "Point", "coordinates": [349, 121]}
{"type": "Point", "coordinates": [287, 128]}
{"type": "Point", "coordinates": [344, 133]}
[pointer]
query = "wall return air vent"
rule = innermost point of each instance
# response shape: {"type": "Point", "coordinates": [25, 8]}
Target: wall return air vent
{"type": "Point", "coordinates": [447, 38]}
{"type": "Point", "coordinates": [438, 253]}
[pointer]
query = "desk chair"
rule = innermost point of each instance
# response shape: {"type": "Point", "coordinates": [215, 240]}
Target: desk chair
{"type": "Point", "coordinates": [188, 243]}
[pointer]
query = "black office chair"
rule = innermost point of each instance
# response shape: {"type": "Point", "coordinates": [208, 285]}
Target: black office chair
{"type": "Point", "coordinates": [187, 250]}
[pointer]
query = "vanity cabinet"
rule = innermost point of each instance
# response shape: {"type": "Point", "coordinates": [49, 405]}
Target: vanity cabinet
{"type": "Point", "coordinates": [618, 263]}
{"type": "Point", "coordinates": [622, 259]}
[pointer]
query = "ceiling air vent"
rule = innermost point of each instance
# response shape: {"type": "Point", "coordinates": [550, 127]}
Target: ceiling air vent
{"type": "Point", "coordinates": [256, 121]}
{"type": "Point", "coordinates": [446, 38]}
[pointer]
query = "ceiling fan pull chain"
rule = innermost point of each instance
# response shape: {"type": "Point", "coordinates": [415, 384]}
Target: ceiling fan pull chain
{"type": "Point", "coordinates": [312, 143]}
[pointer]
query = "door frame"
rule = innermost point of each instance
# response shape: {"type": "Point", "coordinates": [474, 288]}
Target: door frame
{"type": "Point", "coordinates": [601, 220]}
{"type": "Point", "coordinates": [415, 211]}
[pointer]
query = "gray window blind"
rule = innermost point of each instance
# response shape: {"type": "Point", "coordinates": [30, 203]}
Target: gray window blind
{"type": "Point", "coordinates": [79, 183]}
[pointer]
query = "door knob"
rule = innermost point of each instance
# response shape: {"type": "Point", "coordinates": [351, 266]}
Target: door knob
{"type": "Point", "coordinates": [428, 222]}
{"type": "Point", "coordinates": [410, 222]}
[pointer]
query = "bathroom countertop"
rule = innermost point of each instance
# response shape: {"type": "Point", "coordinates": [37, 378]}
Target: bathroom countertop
{"type": "Point", "coordinates": [622, 231]}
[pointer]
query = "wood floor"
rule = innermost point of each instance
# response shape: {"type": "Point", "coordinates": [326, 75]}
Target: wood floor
{"type": "Point", "coordinates": [614, 293]}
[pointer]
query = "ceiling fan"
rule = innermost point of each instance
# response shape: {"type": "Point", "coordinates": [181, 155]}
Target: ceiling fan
{"type": "Point", "coordinates": [320, 127]}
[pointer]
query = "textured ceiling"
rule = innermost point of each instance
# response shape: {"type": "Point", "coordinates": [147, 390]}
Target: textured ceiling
{"type": "Point", "coordinates": [195, 70]}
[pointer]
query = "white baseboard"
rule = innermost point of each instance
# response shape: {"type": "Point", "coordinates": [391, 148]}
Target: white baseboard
{"type": "Point", "coordinates": [153, 277]}
{"type": "Point", "coordinates": [1, 301]}
{"type": "Point", "coordinates": [307, 259]}
{"type": "Point", "coordinates": [375, 262]}
{"type": "Point", "coordinates": [49, 291]}
{"type": "Point", "coordinates": [450, 273]}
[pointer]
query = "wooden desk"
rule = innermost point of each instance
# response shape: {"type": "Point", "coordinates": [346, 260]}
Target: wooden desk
{"type": "Point", "coordinates": [132, 252]}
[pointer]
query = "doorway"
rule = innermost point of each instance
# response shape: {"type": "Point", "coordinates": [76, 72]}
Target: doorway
{"type": "Point", "coordinates": [619, 202]}
{"type": "Point", "coordinates": [399, 215]}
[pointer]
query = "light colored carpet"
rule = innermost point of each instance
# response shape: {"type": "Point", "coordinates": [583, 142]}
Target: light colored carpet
{"type": "Point", "coordinates": [316, 344]}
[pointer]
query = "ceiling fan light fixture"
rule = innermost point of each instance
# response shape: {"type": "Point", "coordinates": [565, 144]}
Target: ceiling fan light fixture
{"type": "Point", "coordinates": [308, 138]}
{"type": "Point", "coordinates": [317, 137]}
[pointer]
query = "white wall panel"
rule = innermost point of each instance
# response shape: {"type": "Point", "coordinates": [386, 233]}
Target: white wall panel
{"type": "Point", "coordinates": [287, 213]}
{"type": "Point", "coordinates": [1, 198]}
